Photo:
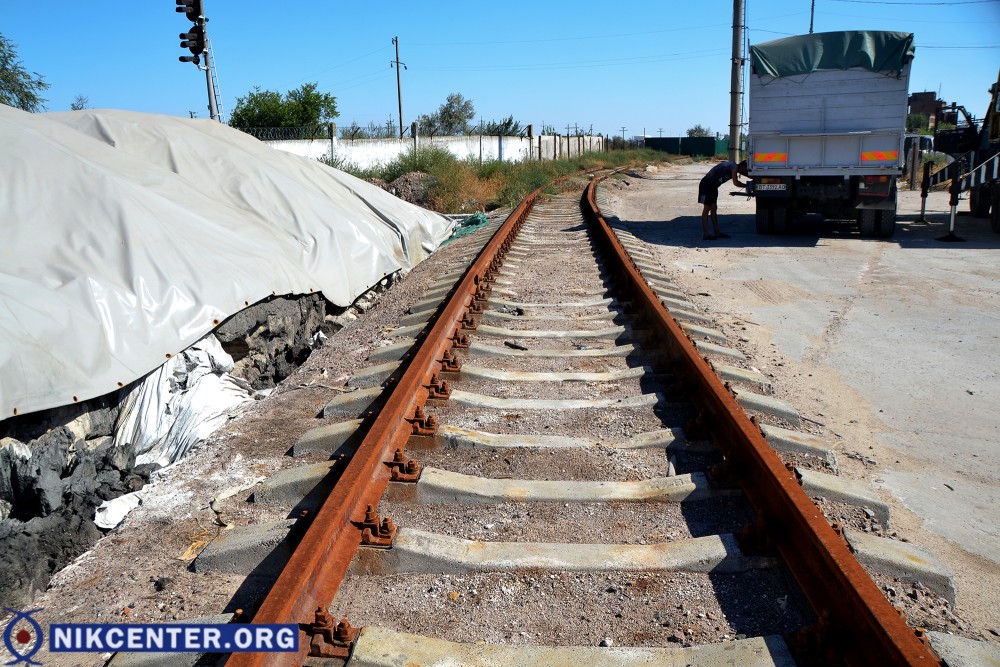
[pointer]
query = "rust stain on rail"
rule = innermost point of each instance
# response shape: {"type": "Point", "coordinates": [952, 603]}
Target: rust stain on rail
{"type": "Point", "coordinates": [313, 574]}
{"type": "Point", "coordinates": [857, 623]}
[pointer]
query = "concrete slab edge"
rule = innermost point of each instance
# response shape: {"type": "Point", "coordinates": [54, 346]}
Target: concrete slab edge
{"type": "Point", "coordinates": [381, 647]}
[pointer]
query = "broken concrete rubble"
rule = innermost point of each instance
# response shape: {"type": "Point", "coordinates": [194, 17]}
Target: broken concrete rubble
{"type": "Point", "coordinates": [58, 466]}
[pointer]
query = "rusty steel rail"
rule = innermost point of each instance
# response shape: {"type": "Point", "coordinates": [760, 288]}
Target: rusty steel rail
{"type": "Point", "coordinates": [310, 579]}
{"type": "Point", "coordinates": [857, 625]}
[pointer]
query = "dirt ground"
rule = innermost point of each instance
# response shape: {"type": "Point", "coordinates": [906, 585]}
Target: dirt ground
{"type": "Point", "coordinates": [887, 346]}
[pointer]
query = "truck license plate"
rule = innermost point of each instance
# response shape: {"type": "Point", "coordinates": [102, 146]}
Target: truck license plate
{"type": "Point", "coordinates": [769, 186]}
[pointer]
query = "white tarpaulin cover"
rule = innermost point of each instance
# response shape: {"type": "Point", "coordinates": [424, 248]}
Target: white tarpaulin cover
{"type": "Point", "coordinates": [126, 237]}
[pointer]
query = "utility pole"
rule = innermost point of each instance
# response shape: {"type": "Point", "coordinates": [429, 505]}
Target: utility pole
{"type": "Point", "coordinates": [399, 85]}
{"type": "Point", "coordinates": [661, 132]}
{"type": "Point", "coordinates": [213, 109]}
{"type": "Point", "coordinates": [735, 91]}
{"type": "Point", "coordinates": [623, 136]}
{"type": "Point", "coordinates": [812, 13]}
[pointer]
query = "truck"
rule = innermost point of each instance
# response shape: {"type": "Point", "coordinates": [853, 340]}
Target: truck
{"type": "Point", "coordinates": [977, 143]}
{"type": "Point", "coordinates": [827, 121]}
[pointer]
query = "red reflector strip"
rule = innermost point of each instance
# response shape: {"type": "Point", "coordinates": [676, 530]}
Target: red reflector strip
{"type": "Point", "coordinates": [770, 157]}
{"type": "Point", "coordinates": [879, 156]}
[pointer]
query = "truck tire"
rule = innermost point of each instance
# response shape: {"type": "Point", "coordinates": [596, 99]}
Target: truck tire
{"type": "Point", "coordinates": [764, 220]}
{"type": "Point", "coordinates": [885, 224]}
{"type": "Point", "coordinates": [979, 201]}
{"type": "Point", "coordinates": [866, 222]}
{"type": "Point", "coordinates": [780, 217]}
{"type": "Point", "coordinates": [771, 218]}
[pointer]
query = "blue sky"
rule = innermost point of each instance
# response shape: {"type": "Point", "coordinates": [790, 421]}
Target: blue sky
{"type": "Point", "coordinates": [653, 66]}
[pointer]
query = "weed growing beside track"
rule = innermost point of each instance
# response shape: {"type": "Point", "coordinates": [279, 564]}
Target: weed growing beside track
{"type": "Point", "coordinates": [466, 186]}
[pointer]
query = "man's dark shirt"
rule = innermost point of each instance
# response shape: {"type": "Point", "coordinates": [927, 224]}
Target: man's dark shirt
{"type": "Point", "coordinates": [719, 174]}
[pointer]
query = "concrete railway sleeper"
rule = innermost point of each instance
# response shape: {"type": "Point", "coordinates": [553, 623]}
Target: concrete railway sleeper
{"type": "Point", "coordinates": [555, 465]}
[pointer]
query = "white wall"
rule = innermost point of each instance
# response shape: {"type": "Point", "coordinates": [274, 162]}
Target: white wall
{"type": "Point", "coordinates": [366, 153]}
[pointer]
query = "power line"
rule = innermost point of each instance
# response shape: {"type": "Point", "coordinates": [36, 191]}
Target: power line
{"type": "Point", "coordinates": [920, 4]}
{"type": "Point", "coordinates": [547, 40]}
{"type": "Point", "coordinates": [908, 19]}
{"type": "Point", "coordinates": [639, 60]}
{"type": "Point", "coordinates": [972, 46]}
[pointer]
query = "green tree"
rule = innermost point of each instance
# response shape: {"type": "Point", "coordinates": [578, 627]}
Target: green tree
{"type": "Point", "coordinates": [916, 122]}
{"type": "Point", "coordinates": [508, 127]}
{"type": "Point", "coordinates": [18, 87]}
{"type": "Point", "coordinates": [451, 118]}
{"type": "Point", "coordinates": [429, 124]}
{"type": "Point", "coordinates": [455, 114]}
{"type": "Point", "coordinates": [699, 131]}
{"type": "Point", "coordinates": [301, 107]}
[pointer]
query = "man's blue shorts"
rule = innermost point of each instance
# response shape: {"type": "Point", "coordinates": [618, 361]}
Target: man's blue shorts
{"type": "Point", "coordinates": [708, 193]}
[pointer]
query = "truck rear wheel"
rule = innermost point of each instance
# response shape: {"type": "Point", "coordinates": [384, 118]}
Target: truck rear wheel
{"type": "Point", "coordinates": [877, 223]}
{"type": "Point", "coordinates": [866, 221]}
{"type": "Point", "coordinates": [885, 224]}
{"type": "Point", "coordinates": [979, 201]}
{"type": "Point", "coordinates": [771, 218]}
{"type": "Point", "coordinates": [764, 223]}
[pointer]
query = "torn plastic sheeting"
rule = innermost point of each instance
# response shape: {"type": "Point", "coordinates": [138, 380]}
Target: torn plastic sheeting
{"type": "Point", "coordinates": [112, 512]}
{"type": "Point", "coordinates": [180, 404]}
{"type": "Point", "coordinates": [129, 236]}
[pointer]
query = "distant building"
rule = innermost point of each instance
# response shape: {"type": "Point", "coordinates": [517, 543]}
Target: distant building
{"type": "Point", "coordinates": [926, 103]}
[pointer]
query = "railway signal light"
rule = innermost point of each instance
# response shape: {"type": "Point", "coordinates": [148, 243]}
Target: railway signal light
{"type": "Point", "coordinates": [193, 9]}
{"type": "Point", "coordinates": [194, 41]}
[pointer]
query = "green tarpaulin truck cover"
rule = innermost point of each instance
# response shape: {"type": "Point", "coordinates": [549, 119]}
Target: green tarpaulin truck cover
{"type": "Point", "coordinates": [874, 50]}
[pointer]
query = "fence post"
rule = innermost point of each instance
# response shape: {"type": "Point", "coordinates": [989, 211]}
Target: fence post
{"type": "Point", "coordinates": [413, 133]}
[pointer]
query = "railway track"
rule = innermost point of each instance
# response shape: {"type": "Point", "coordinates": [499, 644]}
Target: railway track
{"type": "Point", "coordinates": [545, 469]}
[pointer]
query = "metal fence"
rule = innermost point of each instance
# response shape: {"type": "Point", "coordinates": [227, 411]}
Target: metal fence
{"type": "Point", "coordinates": [693, 146]}
{"type": "Point", "coordinates": [322, 131]}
